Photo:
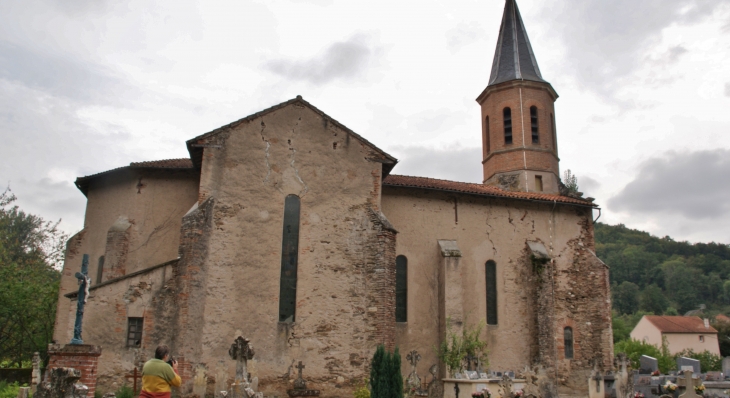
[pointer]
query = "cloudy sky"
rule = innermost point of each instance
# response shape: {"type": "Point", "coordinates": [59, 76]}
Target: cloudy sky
{"type": "Point", "coordinates": [643, 115]}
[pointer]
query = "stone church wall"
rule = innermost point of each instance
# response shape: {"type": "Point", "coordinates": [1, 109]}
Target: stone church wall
{"type": "Point", "coordinates": [153, 211]}
{"type": "Point", "coordinates": [346, 256]}
{"type": "Point", "coordinates": [109, 306]}
{"type": "Point", "coordinates": [498, 229]}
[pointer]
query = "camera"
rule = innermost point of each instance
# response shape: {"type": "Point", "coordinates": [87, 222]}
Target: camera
{"type": "Point", "coordinates": [171, 361]}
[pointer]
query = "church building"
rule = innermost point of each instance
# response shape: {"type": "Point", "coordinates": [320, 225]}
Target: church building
{"type": "Point", "coordinates": [292, 230]}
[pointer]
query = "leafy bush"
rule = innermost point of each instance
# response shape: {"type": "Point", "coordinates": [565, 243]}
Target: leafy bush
{"type": "Point", "coordinates": [125, 391]}
{"type": "Point", "coordinates": [634, 349]}
{"type": "Point", "coordinates": [9, 390]}
{"type": "Point", "coordinates": [455, 348]}
{"type": "Point", "coordinates": [709, 362]}
{"type": "Point", "coordinates": [362, 391]}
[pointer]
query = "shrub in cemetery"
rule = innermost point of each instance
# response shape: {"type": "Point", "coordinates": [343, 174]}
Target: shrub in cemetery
{"type": "Point", "coordinates": [125, 391]}
{"type": "Point", "coordinates": [455, 348]}
{"type": "Point", "coordinates": [362, 391]}
{"type": "Point", "coordinates": [709, 362]}
{"type": "Point", "coordinates": [9, 390]}
{"type": "Point", "coordinates": [386, 380]}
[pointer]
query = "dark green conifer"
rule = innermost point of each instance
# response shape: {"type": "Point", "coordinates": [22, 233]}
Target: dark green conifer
{"type": "Point", "coordinates": [375, 372]}
{"type": "Point", "coordinates": [396, 383]}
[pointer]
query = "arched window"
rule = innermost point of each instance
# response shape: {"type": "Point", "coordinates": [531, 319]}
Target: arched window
{"type": "Point", "coordinates": [533, 121]}
{"type": "Point", "coordinates": [507, 113]}
{"type": "Point", "coordinates": [491, 273]}
{"type": "Point", "coordinates": [401, 289]}
{"type": "Point", "coordinates": [289, 259]}
{"type": "Point", "coordinates": [486, 134]}
{"type": "Point", "coordinates": [568, 342]}
{"type": "Point", "coordinates": [100, 270]}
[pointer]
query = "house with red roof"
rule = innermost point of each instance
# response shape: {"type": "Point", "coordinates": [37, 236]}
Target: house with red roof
{"type": "Point", "coordinates": [679, 332]}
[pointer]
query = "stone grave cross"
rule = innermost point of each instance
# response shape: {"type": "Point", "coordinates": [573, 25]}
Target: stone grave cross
{"type": "Point", "coordinates": [241, 351]}
{"type": "Point", "coordinates": [413, 382]}
{"type": "Point", "coordinates": [299, 383]}
{"type": "Point", "coordinates": [82, 297]}
{"type": "Point", "coordinates": [689, 383]}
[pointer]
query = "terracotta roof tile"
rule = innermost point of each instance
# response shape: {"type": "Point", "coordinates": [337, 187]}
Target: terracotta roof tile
{"type": "Point", "coordinates": [182, 163]}
{"type": "Point", "coordinates": [679, 324]}
{"type": "Point", "coordinates": [82, 183]}
{"type": "Point", "coordinates": [477, 189]}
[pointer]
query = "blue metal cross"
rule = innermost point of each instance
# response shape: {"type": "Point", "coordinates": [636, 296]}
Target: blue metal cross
{"type": "Point", "coordinates": [83, 289]}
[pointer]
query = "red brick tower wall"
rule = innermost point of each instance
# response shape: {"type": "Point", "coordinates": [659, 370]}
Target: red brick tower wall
{"type": "Point", "coordinates": [519, 96]}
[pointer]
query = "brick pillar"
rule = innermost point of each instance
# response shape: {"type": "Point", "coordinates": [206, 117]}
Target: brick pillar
{"type": "Point", "coordinates": [83, 357]}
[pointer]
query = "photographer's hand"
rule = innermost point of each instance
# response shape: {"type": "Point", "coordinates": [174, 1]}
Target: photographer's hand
{"type": "Point", "coordinates": [174, 365]}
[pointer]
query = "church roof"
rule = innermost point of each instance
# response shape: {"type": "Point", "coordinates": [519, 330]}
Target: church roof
{"type": "Point", "coordinates": [478, 189]}
{"type": "Point", "coordinates": [195, 146]}
{"type": "Point", "coordinates": [82, 183]}
{"type": "Point", "coordinates": [679, 324]}
{"type": "Point", "coordinates": [513, 59]}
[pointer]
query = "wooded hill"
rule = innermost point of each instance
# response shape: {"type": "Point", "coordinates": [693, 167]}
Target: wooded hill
{"type": "Point", "coordinates": [661, 275]}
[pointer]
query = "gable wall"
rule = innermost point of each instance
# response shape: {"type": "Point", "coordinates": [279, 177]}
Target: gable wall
{"type": "Point", "coordinates": [345, 257]}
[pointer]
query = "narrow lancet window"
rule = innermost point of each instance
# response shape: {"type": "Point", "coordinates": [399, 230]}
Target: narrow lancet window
{"type": "Point", "coordinates": [538, 183]}
{"type": "Point", "coordinates": [401, 289]}
{"type": "Point", "coordinates": [491, 272]}
{"type": "Point", "coordinates": [100, 270]}
{"type": "Point", "coordinates": [289, 259]}
{"type": "Point", "coordinates": [568, 342]}
{"type": "Point", "coordinates": [134, 332]}
{"type": "Point", "coordinates": [507, 113]}
{"type": "Point", "coordinates": [533, 121]}
{"type": "Point", "coordinates": [486, 134]}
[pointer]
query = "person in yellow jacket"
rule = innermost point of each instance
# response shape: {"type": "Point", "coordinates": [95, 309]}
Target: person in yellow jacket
{"type": "Point", "coordinates": [159, 374]}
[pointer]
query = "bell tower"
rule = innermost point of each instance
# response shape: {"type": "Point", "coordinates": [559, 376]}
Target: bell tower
{"type": "Point", "coordinates": [519, 142]}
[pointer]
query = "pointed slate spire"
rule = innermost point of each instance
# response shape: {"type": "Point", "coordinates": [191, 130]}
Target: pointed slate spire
{"type": "Point", "coordinates": [514, 59]}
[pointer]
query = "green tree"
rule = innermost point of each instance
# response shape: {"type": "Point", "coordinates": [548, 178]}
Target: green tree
{"type": "Point", "coordinates": [621, 331]}
{"type": "Point", "coordinates": [653, 300]}
{"type": "Point", "coordinates": [375, 371]}
{"type": "Point", "coordinates": [396, 381]}
{"type": "Point", "coordinates": [723, 337]}
{"type": "Point", "coordinates": [31, 252]}
{"type": "Point", "coordinates": [626, 297]}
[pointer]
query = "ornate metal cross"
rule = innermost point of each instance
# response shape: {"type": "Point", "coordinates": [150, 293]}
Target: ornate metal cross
{"type": "Point", "coordinates": [413, 357]}
{"type": "Point", "coordinates": [82, 297]}
{"type": "Point", "coordinates": [241, 351]}
{"type": "Point", "coordinates": [300, 367]}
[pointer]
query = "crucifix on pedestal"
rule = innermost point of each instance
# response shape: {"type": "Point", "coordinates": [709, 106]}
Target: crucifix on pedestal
{"type": "Point", "coordinates": [299, 383]}
{"type": "Point", "coordinates": [82, 297]}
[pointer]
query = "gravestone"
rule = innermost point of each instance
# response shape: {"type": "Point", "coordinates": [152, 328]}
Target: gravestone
{"type": "Point", "coordinates": [714, 376]}
{"type": "Point", "coordinates": [684, 363]}
{"type": "Point", "coordinates": [647, 365]}
{"type": "Point", "coordinates": [62, 383]}
{"type": "Point", "coordinates": [300, 386]}
{"type": "Point", "coordinates": [413, 382]}
{"type": "Point", "coordinates": [726, 366]}
{"type": "Point", "coordinates": [36, 375]}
